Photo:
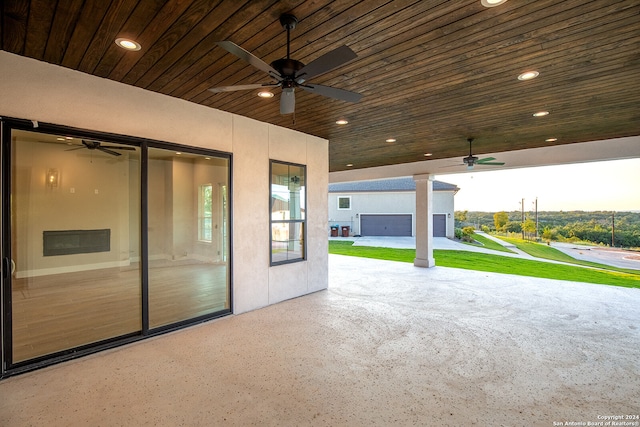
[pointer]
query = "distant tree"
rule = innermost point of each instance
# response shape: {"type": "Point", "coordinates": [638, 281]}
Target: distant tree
{"type": "Point", "coordinates": [460, 215]}
{"type": "Point", "coordinates": [529, 227]}
{"type": "Point", "coordinates": [513, 227]}
{"type": "Point", "coordinates": [549, 234]}
{"type": "Point", "coordinates": [500, 219]}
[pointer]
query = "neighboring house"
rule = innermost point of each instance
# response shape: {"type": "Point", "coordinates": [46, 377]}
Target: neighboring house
{"type": "Point", "coordinates": [387, 207]}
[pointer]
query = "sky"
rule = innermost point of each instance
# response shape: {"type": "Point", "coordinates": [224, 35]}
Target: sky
{"type": "Point", "coordinates": [597, 186]}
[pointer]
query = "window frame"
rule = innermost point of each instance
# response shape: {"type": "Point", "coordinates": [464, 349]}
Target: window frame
{"type": "Point", "coordinates": [338, 203]}
{"type": "Point", "coordinates": [202, 214]}
{"type": "Point", "coordinates": [302, 221]}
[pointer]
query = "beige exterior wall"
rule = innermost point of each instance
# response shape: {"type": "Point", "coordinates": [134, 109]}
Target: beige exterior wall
{"type": "Point", "coordinates": [398, 202]}
{"type": "Point", "coordinates": [39, 91]}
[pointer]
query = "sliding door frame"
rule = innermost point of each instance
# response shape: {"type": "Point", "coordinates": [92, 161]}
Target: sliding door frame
{"type": "Point", "coordinates": [8, 368]}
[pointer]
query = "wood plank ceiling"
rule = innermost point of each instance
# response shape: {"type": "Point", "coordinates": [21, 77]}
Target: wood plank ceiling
{"type": "Point", "coordinates": [431, 72]}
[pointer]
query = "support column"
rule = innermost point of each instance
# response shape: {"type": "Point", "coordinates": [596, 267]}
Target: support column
{"type": "Point", "coordinates": [424, 221]}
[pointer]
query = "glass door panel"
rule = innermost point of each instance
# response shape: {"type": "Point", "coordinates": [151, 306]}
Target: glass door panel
{"type": "Point", "coordinates": [187, 236]}
{"type": "Point", "coordinates": [75, 215]}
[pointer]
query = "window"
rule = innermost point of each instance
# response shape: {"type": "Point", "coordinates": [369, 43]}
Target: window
{"type": "Point", "coordinates": [288, 212]}
{"type": "Point", "coordinates": [205, 203]}
{"type": "Point", "coordinates": [344, 203]}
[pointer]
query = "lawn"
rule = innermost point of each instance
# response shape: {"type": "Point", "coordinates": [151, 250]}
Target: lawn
{"type": "Point", "coordinates": [493, 263]}
{"type": "Point", "coordinates": [489, 244]}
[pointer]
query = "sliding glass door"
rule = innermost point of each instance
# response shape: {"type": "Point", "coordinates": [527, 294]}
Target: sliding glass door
{"type": "Point", "coordinates": [75, 247]}
{"type": "Point", "coordinates": [107, 240]}
{"type": "Point", "coordinates": [188, 270]}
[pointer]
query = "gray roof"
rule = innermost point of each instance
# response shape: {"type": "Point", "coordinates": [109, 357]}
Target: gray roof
{"type": "Point", "coordinates": [393, 184]}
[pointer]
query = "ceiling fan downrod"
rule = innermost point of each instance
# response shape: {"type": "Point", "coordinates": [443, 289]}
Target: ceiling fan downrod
{"type": "Point", "coordinates": [288, 22]}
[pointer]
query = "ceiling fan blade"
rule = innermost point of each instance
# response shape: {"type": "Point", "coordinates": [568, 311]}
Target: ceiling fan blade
{"type": "Point", "coordinates": [250, 58]}
{"type": "Point", "coordinates": [325, 63]}
{"type": "Point", "coordinates": [486, 159]}
{"type": "Point", "coordinates": [490, 163]}
{"type": "Point", "coordinates": [333, 92]}
{"type": "Point", "coordinates": [106, 150]}
{"type": "Point", "coordinates": [287, 101]}
{"type": "Point", "coordinates": [116, 147]}
{"type": "Point", "coordinates": [242, 87]}
{"type": "Point", "coordinates": [76, 148]}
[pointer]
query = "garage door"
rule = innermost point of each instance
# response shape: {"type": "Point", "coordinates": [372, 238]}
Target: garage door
{"type": "Point", "coordinates": [385, 225]}
{"type": "Point", "coordinates": [439, 225]}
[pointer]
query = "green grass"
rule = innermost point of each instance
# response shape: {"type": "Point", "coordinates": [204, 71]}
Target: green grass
{"type": "Point", "coordinates": [489, 244]}
{"type": "Point", "coordinates": [493, 263]}
{"type": "Point", "coordinates": [544, 251]}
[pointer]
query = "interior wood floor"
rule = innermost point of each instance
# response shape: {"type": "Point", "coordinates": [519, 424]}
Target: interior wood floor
{"type": "Point", "coordinates": [57, 312]}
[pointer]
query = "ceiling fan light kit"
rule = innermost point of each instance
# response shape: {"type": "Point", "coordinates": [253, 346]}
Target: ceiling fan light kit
{"type": "Point", "coordinates": [289, 74]}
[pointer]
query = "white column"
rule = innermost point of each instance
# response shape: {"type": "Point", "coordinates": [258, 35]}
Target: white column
{"type": "Point", "coordinates": [424, 221]}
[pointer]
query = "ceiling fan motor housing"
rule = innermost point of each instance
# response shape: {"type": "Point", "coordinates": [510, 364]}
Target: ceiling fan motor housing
{"type": "Point", "coordinates": [287, 67]}
{"type": "Point", "coordinates": [470, 160]}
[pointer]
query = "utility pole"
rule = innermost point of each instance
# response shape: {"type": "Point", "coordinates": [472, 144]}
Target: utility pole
{"type": "Point", "coordinates": [536, 219]}
{"type": "Point", "coordinates": [522, 223]}
{"type": "Point", "coordinates": [613, 229]}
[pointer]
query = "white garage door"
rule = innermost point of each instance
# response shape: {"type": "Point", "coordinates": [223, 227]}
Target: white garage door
{"type": "Point", "coordinates": [385, 225]}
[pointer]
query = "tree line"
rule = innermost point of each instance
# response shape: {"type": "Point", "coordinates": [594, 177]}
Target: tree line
{"type": "Point", "coordinates": [620, 229]}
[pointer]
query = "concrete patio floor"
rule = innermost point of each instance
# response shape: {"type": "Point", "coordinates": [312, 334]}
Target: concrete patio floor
{"type": "Point", "coordinates": [387, 344]}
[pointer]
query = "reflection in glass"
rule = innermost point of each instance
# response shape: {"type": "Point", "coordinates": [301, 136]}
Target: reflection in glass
{"type": "Point", "coordinates": [188, 268]}
{"type": "Point", "coordinates": [74, 242]}
{"type": "Point", "coordinates": [287, 212]}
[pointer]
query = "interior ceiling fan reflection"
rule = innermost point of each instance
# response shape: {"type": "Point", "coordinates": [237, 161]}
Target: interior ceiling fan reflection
{"type": "Point", "coordinates": [96, 145]}
{"type": "Point", "coordinates": [290, 74]}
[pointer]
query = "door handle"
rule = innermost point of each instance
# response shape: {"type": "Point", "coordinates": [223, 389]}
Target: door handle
{"type": "Point", "coordinates": [8, 267]}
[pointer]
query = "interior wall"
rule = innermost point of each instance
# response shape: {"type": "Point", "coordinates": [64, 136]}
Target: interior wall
{"type": "Point", "coordinates": [39, 91]}
{"type": "Point", "coordinates": [81, 184]}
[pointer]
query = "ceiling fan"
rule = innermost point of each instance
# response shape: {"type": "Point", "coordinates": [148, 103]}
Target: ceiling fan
{"type": "Point", "coordinates": [290, 74]}
{"type": "Point", "coordinates": [472, 160]}
{"type": "Point", "coordinates": [95, 145]}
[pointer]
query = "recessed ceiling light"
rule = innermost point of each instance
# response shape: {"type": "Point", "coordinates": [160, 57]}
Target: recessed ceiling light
{"type": "Point", "coordinates": [551, 139]}
{"type": "Point", "coordinates": [492, 3]}
{"type": "Point", "coordinates": [265, 94]}
{"type": "Point", "coordinates": [207, 158]}
{"type": "Point", "coordinates": [349, 165]}
{"type": "Point", "coordinates": [540, 113]}
{"type": "Point", "coordinates": [68, 137]}
{"type": "Point", "coordinates": [60, 139]}
{"type": "Point", "coordinates": [528, 75]}
{"type": "Point", "coordinates": [178, 153]}
{"type": "Point", "coordinates": [428, 154]}
{"type": "Point", "coordinates": [342, 122]}
{"type": "Point", "coordinates": [391, 140]}
{"type": "Point", "coordinates": [128, 44]}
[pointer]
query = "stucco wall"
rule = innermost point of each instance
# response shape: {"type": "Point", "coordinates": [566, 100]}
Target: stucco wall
{"type": "Point", "coordinates": [399, 202]}
{"type": "Point", "coordinates": [39, 91]}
